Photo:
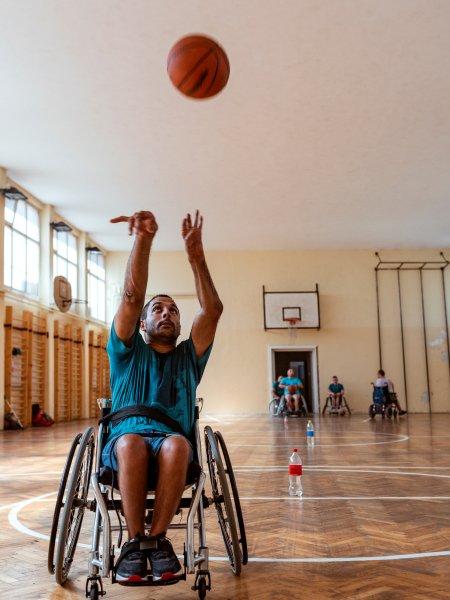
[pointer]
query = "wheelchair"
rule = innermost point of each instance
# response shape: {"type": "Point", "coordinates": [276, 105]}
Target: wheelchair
{"type": "Point", "coordinates": [384, 403]}
{"type": "Point", "coordinates": [274, 405]}
{"type": "Point", "coordinates": [83, 469]}
{"type": "Point", "coordinates": [339, 410]}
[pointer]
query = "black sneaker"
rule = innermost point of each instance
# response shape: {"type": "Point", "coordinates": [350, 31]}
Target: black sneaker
{"type": "Point", "coordinates": [131, 568]}
{"type": "Point", "coordinates": [164, 562]}
{"type": "Point", "coordinates": [402, 412]}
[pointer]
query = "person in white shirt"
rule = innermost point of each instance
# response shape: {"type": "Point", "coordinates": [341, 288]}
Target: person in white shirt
{"type": "Point", "coordinates": [383, 382]}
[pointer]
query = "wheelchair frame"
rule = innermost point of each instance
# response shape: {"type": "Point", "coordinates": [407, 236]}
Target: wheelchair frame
{"type": "Point", "coordinates": [386, 408]}
{"type": "Point", "coordinates": [72, 501]}
{"type": "Point", "coordinates": [329, 404]}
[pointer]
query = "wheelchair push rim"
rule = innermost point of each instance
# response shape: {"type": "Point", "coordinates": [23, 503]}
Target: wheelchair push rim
{"type": "Point", "coordinates": [222, 501]}
{"type": "Point", "coordinates": [74, 506]}
{"type": "Point", "coordinates": [235, 496]}
{"type": "Point", "coordinates": [60, 504]}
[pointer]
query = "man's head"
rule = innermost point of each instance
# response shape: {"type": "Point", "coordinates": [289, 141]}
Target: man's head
{"type": "Point", "coordinates": [381, 373]}
{"type": "Point", "coordinates": [334, 379]}
{"type": "Point", "coordinates": [290, 373]}
{"type": "Point", "coordinates": [160, 320]}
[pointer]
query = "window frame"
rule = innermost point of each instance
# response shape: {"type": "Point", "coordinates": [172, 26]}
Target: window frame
{"type": "Point", "coordinates": [65, 259]}
{"type": "Point", "coordinates": [99, 280]}
{"type": "Point", "coordinates": [29, 242]}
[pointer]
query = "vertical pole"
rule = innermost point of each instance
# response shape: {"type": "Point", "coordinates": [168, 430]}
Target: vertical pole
{"type": "Point", "coordinates": [446, 316]}
{"type": "Point", "coordinates": [402, 337]}
{"type": "Point", "coordinates": [380, 357]}
{"type": "Point", "coordinates": [424, 326]}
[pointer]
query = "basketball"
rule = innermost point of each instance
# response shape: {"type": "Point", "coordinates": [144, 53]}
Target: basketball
{"type": "Point", "coordinates": [198, 66]}
{"type": "Point", "coordinates": [292, 389]}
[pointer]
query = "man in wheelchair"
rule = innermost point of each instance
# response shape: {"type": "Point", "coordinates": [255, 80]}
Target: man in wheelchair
{"type": "Point", "coordinates": [336, 393]}
{"type": "Point", "coordinates": [148, 370]}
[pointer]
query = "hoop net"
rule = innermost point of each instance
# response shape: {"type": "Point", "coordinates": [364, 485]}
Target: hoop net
{"type": "Point", "coordinates": [292, 322]}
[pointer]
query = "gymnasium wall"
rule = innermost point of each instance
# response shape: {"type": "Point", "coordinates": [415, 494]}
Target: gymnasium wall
{"type": "Point", "coordinates": [237, 377]}
{"type": "Point", "coordinates": [59, 359]}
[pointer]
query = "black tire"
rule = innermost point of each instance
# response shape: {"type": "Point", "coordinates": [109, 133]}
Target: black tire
{"type": "Point", "coordinates": [202, 587]}
{"type": "Point", "coordinates": [73, 511]}
{"type": "Point", "coordinates": [59, 504]}
{"type": "Point", "coordinates": [222, 501]}
{"type": "Point", "coordinates": [94, 592]}
{"type": "Point", "coordinates": [234, 490]}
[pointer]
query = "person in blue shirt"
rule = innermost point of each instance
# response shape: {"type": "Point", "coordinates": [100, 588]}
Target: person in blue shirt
{"type": "Point", "coordinates": [337, 391]}
{"type": "Point", "coordinates": [149, 369]}
{"type": "Point", "coordinates": [292, 387]}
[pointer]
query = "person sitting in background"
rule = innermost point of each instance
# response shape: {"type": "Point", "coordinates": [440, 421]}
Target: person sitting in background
{"type": "Point", "coordinates": [278, 395]}
{"type": "Point", "coordinates": [292, 390]}
{"type": "Point", "coordinates": [336, 390]}
{"type": "Point", "coordinates": [388, 390]}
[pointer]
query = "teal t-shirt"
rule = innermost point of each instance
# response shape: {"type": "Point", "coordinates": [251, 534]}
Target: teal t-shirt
{"type": "Point", "coordinates": [290, 381]}
{"type": "Point", "coordinates": [336, 388]}
{"type": "Point", "coordinates": [168, 382]}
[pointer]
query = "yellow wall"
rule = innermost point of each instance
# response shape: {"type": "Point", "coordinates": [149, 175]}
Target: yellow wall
{"type": "Point", "coordinates": [236, 379]}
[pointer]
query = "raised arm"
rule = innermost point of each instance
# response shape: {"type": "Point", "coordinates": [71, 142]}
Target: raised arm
{"type": "Point", "coordinates": [205, 323]}
{"type": "Point", "coordinates": [143, 225]}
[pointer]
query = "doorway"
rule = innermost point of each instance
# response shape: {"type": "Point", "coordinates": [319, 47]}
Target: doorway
{"type": "Point", "coordinates": [303, 360]}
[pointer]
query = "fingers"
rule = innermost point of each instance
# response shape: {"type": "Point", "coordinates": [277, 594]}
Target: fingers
{"type": "Point", "coordinates": [184, 227]}
{"type": "Point", "coordinates": [121, 219]}
{"type": "Point", "coordinates": [198, 221]}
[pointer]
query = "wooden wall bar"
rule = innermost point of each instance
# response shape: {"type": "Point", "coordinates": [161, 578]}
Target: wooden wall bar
{"type": "Point", "coordinates": [27, 350]}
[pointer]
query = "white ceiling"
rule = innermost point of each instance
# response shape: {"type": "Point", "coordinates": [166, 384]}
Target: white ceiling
{"type": "Point", "coordinates": [333, 131]}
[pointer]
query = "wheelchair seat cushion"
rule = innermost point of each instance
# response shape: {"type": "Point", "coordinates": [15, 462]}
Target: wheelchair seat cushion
{"type": "Point", "coordinates": [109, 477]}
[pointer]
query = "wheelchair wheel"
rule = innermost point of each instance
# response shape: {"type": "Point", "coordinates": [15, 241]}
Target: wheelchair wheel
{"type": "Point", "coordinates": [273, 408]}
{"type": "Point", "coordinates": [222, 501]}
{"type": "Point", "coordinates": [237, 504]}
{"type": "Point", "coordinates": [74, 505]}
{"type": "Point", "coordinates": [59, 504]}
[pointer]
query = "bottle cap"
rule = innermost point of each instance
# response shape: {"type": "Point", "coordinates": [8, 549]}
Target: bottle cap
{"type": "Point", "coordinates": [295, 449]}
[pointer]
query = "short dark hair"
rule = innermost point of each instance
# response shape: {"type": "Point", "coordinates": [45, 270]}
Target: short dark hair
{"type": "Point", "coordinates": [381, 372]}
{"type": "Point", "coordinates": [145, 309]}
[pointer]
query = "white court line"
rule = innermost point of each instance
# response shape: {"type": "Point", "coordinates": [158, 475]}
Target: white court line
{"type": "Point", "coordinates": [368, 498]}
{"type": "Point", "coordinates": [14, 522]}
{"type": "Point", "coordinates": [436, 475]}
{"type": "Point", "coordinates": [318, 559]}
{"type": "Point", "coordinates": [261, 467]}
{"type": "Point", "coordinates": [209, 418]}
{"type": "Point", "coordinates": [403, 438]}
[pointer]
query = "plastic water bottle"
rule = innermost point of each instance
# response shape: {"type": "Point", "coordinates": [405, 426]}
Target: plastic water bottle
{"type": "Point", "coordinates": [295, 474]}
{"type": "Point", "coordinates": [310, 434]}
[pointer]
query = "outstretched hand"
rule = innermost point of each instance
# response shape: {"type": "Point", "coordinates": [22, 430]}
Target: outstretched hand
{"type": "Point", "coordinates": [192, 236]}
{"type": "Point", "coordinates": [140, 223]}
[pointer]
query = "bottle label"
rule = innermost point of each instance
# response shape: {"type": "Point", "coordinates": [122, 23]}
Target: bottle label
{"type": "Point", "coordinates": [295, 469]}
{"type": "Point", "coordinates": [310, 434]}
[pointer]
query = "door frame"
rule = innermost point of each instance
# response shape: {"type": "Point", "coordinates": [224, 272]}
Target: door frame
{"type": "Point", "coordinates": [313, 351]}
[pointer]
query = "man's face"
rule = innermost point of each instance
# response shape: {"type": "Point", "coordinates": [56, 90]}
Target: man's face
{"type": "Point", "coordinates": [163, 320]}
{"type": "Point", "coordinates": [335, 379]}
{"type": "Point", "coordinates": [290, 373]}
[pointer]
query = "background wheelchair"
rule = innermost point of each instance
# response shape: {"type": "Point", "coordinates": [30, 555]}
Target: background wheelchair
{"type": "Point", "coordinates": [341, 409]}
{"type": "Point", "coordinates": [384, 403]}
{"type": "Point", "coordinates": [83, 467]}
{"type": "Point", "coordinates": [274, 405]}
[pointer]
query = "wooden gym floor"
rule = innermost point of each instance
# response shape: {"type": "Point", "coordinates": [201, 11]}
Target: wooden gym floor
{"type": "Point", "coordinates": [374, 521]}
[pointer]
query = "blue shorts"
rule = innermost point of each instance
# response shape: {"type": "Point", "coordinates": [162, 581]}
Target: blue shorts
{"type": "Point", "coordinates": [154, 441]}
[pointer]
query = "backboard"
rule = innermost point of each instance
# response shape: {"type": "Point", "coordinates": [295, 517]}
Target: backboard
{"type": "Point", "coordinates": [280, 308]}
